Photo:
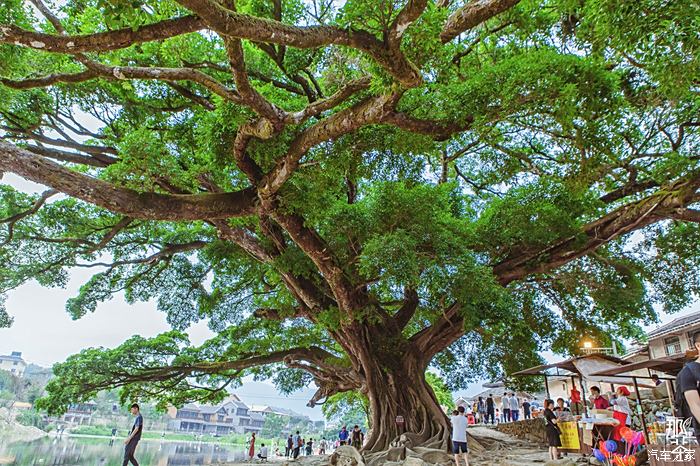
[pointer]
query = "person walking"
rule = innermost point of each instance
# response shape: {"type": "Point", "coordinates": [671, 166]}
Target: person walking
{"type": "Point", "coordinates": [343, 435]}
{"type": "Point", "coordinates": [459, 436]}
{"type": "Point", "coordinates": [297, 442]}
{"type": "Point", "coordinates": [505, 407]}
{"type": "Point", "coordinates": [358, 437]}
{"type": "Point", "coordinates": [310, 447]}
{"type": "Point", "coordinates": [134, 436]}
{"type": "Point", "coordinates": [490, 410]}
{"type": "Point", "coordinates": [322, 446]}
{"type": "Point", "coordinates": [251, 448]}
{"type": "Point", "coordinates": [290, 446]}
{"type": "Point", "coordinates": [514, 407]}
{"type": "Point", "coordinates": [527, 409]}
{"type": "Point", "coordinates": [552, 429]}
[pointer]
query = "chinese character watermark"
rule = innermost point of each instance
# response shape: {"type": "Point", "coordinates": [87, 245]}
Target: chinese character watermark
{"type": "Point", "coordinates": [679, 431]}
{"type": "Point", "coordinates": [679, 454]}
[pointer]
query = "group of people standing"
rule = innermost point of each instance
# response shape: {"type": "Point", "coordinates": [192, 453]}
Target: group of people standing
{"type": "Point", "coordinates": [559, 412]}
{"type": "Point", "coordinates": [486, 412]}
{"type": "Point", "coordinates": [296, 444]}
{"type": "Point", "coordinates": [355, 437]}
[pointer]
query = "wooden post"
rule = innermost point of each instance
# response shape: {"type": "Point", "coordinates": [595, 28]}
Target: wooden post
{"type": "Point", "coordinates": [583, 396]}
{"type": "Point", "coordinates": [640, 410]}
{"type": "Point", "coordinates": [546, 386]}
{"type": "Point", "coordinates": [671, 396]}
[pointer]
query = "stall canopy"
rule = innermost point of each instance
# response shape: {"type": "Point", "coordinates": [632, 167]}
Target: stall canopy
{"type": "Point", "coordinates": [589, 367]}
{"type": "Point", "coordinates": [670, 366]}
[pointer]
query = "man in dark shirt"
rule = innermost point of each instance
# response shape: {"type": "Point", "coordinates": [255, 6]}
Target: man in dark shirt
{"type": "Point", "coordinates": [490, 410]}
{"type": "Point", "coordinates": [526, 409]}
{"type": "Point", "coordinates": [134, 436]}
{"type": "Point", "coordinates": [689, 382]}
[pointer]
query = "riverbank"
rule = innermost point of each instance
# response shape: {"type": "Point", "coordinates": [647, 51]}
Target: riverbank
{"type": "Point", "coordinates": [12, 431]}
{"type": "Point", "coordinates": [166, 439]}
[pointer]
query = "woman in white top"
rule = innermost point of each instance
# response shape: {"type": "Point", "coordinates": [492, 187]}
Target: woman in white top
{"type": "Point", "coordinates": [622, 404]}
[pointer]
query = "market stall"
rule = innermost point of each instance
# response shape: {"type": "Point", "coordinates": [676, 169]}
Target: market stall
{"type": "Point", "coordinates": [647, 409]}
{"type": "Point", "coordinates": [588, 431]}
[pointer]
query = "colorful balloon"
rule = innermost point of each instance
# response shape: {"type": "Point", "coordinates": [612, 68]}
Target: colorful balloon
{"type": "Point", "coordinates": [599, 455]}
{"type": "Point", "coordinates": [626, 433]}
{"type": "Point", "coordinates": [611, 446]}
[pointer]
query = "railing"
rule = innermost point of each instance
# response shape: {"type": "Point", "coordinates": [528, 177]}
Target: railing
{"type": "Point", "coordinates": [607, 351]}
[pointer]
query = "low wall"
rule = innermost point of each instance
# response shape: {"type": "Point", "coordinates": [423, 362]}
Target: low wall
{"type": "Point", "coordinates": [532, 430]}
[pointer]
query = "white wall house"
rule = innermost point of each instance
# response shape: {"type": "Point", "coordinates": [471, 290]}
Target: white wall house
{"type": "Point", "coordinates": [13, 363]}
{"type": "Point", "coordinates": [674, 338]}
{"type": "Point", "coordinates": [228, 417]}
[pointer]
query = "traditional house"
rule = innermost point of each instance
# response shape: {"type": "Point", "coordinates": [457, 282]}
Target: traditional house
{"type": "Point", "coordinates": [79, 414]}
{"type": "Point", "coordinates": [674, 338]}
{"type": "Point", "coordinates": [228, 417]}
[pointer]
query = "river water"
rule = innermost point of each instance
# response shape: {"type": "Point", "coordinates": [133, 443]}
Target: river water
{"type": "Point", "coordinates": [99, 452]}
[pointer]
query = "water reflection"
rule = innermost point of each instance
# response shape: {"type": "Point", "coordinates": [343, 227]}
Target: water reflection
{"type": "Point", "coordinates": [98, 452]}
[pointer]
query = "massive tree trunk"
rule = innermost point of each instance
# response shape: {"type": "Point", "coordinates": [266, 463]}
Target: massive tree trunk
{"type": "Point", "coordinates": [404, 393]}
{"type": "Point", "coordinates": [394, 382]}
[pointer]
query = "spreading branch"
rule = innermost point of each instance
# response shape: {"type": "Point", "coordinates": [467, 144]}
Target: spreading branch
{"type": "Point", "coordinates": [241, 26]}
{"type": "Point", "coordinates": [147, 205]}
{"type": "Point", "coordinates": [471, 15]}
{"type": "Point", "coordinates": [101, 41]}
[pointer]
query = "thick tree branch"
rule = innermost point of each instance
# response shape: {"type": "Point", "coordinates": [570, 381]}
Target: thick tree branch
{"type": "Point", "coordinates": [102, 41]}
{"type": "Point", "coordinates": [153, 206]}
{"type": "Point", "coordinates": [471, 15]}
{"type": "Point", "coordinates": [348, 298]}
{"type": "Point", "coordinates": [164, 74]}
{"type": "Point", "coordinates": [445, 331]}
{"type": "Point", "coordinates": [50, 80]}
{"type": "Point", "coordinates": [668, 202]}
{"type": "Point", "coordinates": [320, 106]}
{"type": "Point", "coordinates": [408, 309]}
{"type": "Point", "coordinates": [437, 130]}
{"type": "Point", "coordinates": [236, 25]}
{"type": "Point", "coordinates": [72, 157]}
{"type": "Point", "coordinates": [368, 111]}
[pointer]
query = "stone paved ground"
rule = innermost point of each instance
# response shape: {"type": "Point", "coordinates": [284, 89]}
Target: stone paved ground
{"type": "Point", "coordinates": [491, 448]}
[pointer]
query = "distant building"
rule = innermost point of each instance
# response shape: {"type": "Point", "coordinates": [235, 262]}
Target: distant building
{"type": "Point", "coordinates": [13, 363]}
{"type": "Point", "coordinates": [674, 338]}
{"type": "Point", "coordinates": [230, 416]}
{"type": "Point", "coordinates": [79, 414]}
{"type": "Point", "coordinates": [265, 410]}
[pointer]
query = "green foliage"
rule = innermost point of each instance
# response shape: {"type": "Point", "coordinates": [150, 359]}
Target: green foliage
{"type": "Point", "coordinates": [564, 112]}
{"type": "Point", "coordinates": [348, 408]}
{"type": "Point", "coordinates": [442, 393]}
{"type": "Point", "coordinates": [30, 417]}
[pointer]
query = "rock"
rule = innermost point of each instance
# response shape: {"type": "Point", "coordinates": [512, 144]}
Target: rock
{"type": "Point", "coordinates": [396, 454]}
{"type": "Point", "coordinates": [413, 461]}
{"type": "Point", "coordinates": [561, 462]}
{"type": "Point", "coordinates": [436, 457]}
{"type": "Point", "coordinates": [346, 455]}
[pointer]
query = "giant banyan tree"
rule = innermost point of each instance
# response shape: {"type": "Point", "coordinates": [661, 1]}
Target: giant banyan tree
{"type": "Point", "coordinates": [351, 193]}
